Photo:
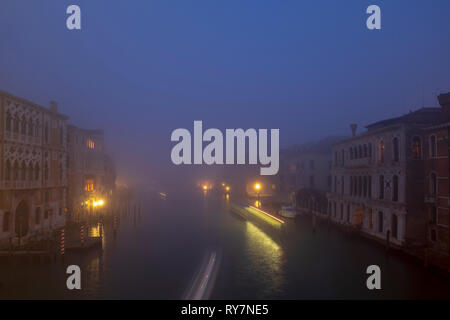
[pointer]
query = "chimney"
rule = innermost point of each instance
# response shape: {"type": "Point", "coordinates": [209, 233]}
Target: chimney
{"type": "Point", "coordinates": [444, 101]}
{"type": "Point", "coordinates": [54, 106]}
{"type": "Point", "coordinates": [353, 126]}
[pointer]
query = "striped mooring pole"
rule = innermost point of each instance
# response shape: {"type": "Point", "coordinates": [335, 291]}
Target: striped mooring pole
{"type": "Point", "coordinates": [63, 243]}
{"type": "Point", "coordinates": [82, 235]}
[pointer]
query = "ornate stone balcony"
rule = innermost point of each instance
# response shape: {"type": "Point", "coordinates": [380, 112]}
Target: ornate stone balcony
{"type": "Point", "coordinates": [19, 185]}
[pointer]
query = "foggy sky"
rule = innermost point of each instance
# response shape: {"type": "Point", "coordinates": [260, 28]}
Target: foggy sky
{"type": "Point", "coordinates": [140, 69]}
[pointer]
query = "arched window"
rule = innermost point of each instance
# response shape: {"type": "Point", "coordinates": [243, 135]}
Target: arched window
{"type": "Point", "coordinates": [16, 171]}
{"type": "Point", "coordinates": [433, 146]}
{"type": "Point", "coordinates": [395, 148]}
{"type": "Point", "coordinates": [365, 151]}
{"type": "Point", "coordinates": [381, 151]}
{"type": "Point", "coordinates": [30, 128]}
{"type": "Point", "coordinates": [61, 135]}
{"type": "Point", "coordinates": [23, 127]}
{"type": "Point", "coordinates": [46, 133]}
{"type": "Point", "coordinates": [370, 149]}
{"type": "Point", "coordinates": [381, 187]}
{"type": "Point", "coordinates": [416, 148]}
{"type": "Point", "coordinates": [365, 186]}
{"type": "Point", "coordinates": [60, 169]}
{"type": "Point", "coordinates": [30, 172]}
{"type": "Point", "coordinates": [37, 216]}
{"type": "Point", "coordinates": [394, 226]}
{"type": "Point", "coordinates": [36, 172]}
{"type": "Point", "coordinates": [6, 221]}
{"type": "Point", "coordinates": [16, 124]}
{"type": "Point", "coordinates": [8, 121]}
{"type": "Point", "coordinates": [359, 186]}
{"type": "Point", "coordinates": [8, 170]}
{"type": "Point", "coordinates": [433, 215]}
{"type": "Point", "coordinates": [36, 129]}
{"type": "Point", "coordinates": [46, 171]}
{"type": "Point", "coordinates": [23, 171]}
{"type": "Point", "coordinates": [395, 188]}
{"type": "Point", "coordinates": [433, 183]}
{"type": "Point", "coordinates": [360, 152]}
{"type": "Point", "coordinates": [380, 222]}
{"type": "Point", "coordinates": [355, 151]}
{"type": "Point", "coordinates": [351, 186]}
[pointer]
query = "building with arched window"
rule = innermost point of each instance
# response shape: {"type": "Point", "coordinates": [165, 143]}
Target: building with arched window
{"type": "Point", "coordinates": [383, 187]}
{"type": "Point", "coordinates": [436, 153]}
{"type": "Point", "coordinates": [23, 153]}
{"type": "Point", "coordinates": [91, 172]}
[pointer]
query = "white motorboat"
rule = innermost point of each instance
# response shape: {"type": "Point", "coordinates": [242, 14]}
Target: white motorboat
{"type": "Point", "coordinates": [288, 212]}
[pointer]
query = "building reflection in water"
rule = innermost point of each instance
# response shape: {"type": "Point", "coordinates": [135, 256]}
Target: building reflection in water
{"type": "Point", "coordinates": [266, 256]}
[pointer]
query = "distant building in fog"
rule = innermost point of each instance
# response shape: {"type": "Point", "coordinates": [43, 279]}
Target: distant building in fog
{"type": "Point", "coordinates": [91, 172]}
{"type": "Point", "coordinates": [305, 175]}
{"type": "Point", "coordinates": [33, 171]}
{"type": "Point", "coordinates": [306, 166]}
{"type": "Point", "coordinates": [437, 172]}
{"type": "Point", "coordinates": [378, 178]}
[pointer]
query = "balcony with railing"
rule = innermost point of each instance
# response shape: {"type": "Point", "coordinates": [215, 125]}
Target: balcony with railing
{"type": "Point", "coordinates": [19, 185]}
{"type": "Point", "coordinates": [23, 138]}
{"type": "Point", "coordinates": [360, 163]}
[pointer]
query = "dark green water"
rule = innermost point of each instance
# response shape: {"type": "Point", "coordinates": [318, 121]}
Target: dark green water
{"type": "Point", "coordinates": [157, 255]}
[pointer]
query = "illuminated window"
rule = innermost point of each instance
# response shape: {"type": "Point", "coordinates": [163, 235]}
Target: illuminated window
{"type": "Point", "coordinates": [90, 144]}
{"type": "Point", "coordinates": [416, 148]}
{"type": "Point", "coordinates": [89, 185]}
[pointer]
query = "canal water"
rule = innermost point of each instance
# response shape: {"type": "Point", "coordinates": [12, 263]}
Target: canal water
{"type": "Point", "coordinates": [157, 254]}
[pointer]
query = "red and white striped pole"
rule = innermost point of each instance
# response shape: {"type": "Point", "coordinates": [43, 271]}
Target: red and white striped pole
{"type": "Point", "coordinates": [82, 235]}
{"type": "Point", "coordinates": [63, 243]}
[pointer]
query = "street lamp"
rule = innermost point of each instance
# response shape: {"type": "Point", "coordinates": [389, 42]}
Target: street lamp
{"type": "Point", "coordinates": [257, 188]}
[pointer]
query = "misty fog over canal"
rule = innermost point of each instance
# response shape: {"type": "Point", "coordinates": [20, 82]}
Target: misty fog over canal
{"type": "Point", "coordinates": [157, 255]}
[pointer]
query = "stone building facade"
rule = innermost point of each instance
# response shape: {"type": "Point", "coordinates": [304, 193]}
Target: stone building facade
{"type": "Point", "coordinates": [33, 177]}
{"type": "Point", "coordinates": [378, 179]}
{"type": "Point", "coordinates": [305, 174]}
{"type": "Point", "coordinates": [437, 173]}
{"type": "Point", "coordinates": [91, 172]}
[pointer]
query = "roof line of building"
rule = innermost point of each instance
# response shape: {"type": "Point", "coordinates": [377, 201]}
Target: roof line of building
{"type": "Point", "coordinates": [12, 96]}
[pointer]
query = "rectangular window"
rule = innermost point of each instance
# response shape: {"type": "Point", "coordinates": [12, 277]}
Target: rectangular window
{"type": "Point", "coordinates": [380, 222]}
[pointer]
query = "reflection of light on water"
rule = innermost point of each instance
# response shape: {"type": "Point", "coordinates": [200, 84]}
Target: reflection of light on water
{"type": "Point", "coordinates": [95, 231]}
{"type": "Point", "coordinates": [257, 236]}
{"type": "Point", "coordinates": [266, 260]}
{"type": "Point", "coordinates": [93, 270]}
